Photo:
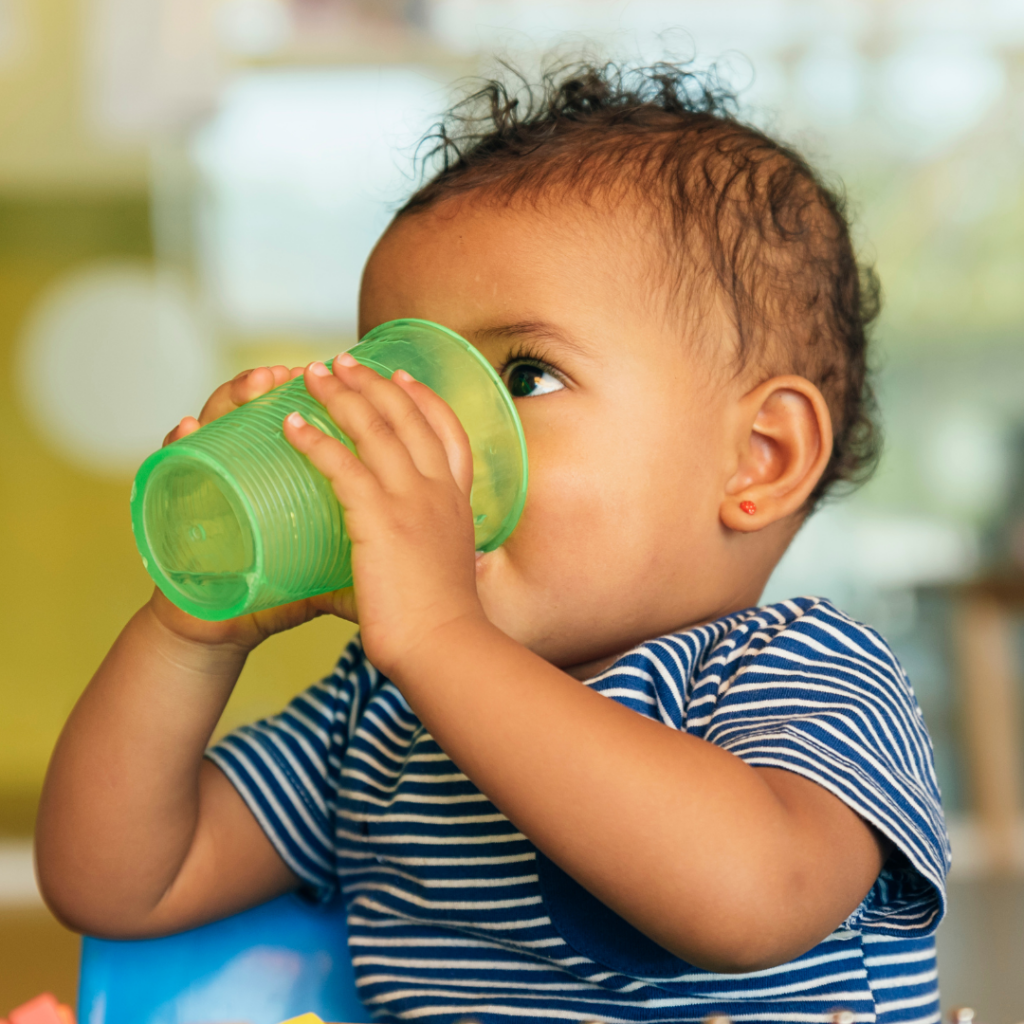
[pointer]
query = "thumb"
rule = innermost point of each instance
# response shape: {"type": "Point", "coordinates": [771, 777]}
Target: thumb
{"type": "Point", "coordinates": [188, 425]}
{"type": "Point", "coordinates": [341, 603]}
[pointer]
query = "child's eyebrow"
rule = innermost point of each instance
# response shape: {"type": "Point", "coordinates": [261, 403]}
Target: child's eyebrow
{"type": "Point", "coordinates": [536, 329]}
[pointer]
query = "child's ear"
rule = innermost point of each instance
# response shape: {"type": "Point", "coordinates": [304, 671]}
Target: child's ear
{"type": "Point", "coordinates": [783, 444]}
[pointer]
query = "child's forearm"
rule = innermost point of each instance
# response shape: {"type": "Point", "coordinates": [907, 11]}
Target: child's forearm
{"type": "Point", "coordinates": [119, 847]}
{"type": "Point", "coordinates": [730, 867]}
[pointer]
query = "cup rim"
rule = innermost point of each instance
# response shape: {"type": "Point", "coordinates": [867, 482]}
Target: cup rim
{"type": "Point", "coordinates": [140, 490]}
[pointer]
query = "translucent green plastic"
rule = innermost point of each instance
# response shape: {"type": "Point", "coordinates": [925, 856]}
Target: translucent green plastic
{"type": "Point", "coordinates": [231, 519]}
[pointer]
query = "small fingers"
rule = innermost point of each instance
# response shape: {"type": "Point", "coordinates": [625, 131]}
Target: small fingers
{"type": "Point", "coordinates": [242, 388]}
{"type": "Point", "coordinates": [346, 473]}
{"type": "Point", "coordinates": [188, 425]}
{"type": "Point", "coordinates": [389, 410]}
{"type": "Point", "coordinates": [255, 383]}
{"type": "Point", "coordinates": [281, 375]}
{"type": "Point", "coordinates": [361, 412]}
{"type": "Point", "coordinates": [445, 424]}
{"type": "Point", "coordinates": [219, 402]}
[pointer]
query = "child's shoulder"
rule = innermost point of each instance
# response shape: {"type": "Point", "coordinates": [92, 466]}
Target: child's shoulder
{"type": "Point", "coordinates": [803, 642]}
{"type": "Point", "coordinates": [802, 686]}
{"type": "Point", "coordinates": [807, 637]}
{"type": "Point", "coordinates": [796, 665]}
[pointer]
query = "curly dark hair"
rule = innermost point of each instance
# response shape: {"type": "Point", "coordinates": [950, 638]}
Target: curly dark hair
{"type": "Point", "coordinates": [746, 217]}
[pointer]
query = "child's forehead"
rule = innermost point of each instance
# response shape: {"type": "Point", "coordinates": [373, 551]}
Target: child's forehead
{"type": "Point", "coordinates": [528, 260]}
{"type": "Point", "coordinates": [576, 279]}
{"type": "Point", "coordinates": [604, 246]}
{"type": "Point", "coordinates": [554, 243]}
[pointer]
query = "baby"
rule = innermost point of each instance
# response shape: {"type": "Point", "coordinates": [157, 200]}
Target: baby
{"type": "Point", "coordinates": [582, 776]}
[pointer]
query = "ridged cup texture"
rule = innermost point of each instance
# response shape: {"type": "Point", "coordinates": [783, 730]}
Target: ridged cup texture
{"type": "Point", "coordinates": [231, 519]}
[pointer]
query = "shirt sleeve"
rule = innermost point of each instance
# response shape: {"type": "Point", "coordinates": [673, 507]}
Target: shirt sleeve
{"type": "Point", "coordinates": [824, 697]}
{"type": "Point", "coordinates": [286, 768]}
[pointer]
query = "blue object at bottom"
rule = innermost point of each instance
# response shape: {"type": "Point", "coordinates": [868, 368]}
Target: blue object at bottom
{"type": "Point", "coordinates": [276, 961]}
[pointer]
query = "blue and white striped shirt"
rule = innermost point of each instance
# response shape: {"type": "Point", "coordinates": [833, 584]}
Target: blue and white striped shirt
{"type": "Point", "coordinates": [452, 912]}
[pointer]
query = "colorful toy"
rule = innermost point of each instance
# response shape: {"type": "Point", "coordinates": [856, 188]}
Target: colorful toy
{"type": "Point", "coordinates": [231, 519]}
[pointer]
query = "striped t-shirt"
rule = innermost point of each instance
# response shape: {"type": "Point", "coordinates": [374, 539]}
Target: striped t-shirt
{"type": "Point", "coordinates": [452, 912]}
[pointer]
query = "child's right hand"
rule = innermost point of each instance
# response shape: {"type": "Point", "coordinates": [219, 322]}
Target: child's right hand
{"type": "Point", "coordinates": [137, 834]}
{"type": "Point", "coordinates": [247, 630]}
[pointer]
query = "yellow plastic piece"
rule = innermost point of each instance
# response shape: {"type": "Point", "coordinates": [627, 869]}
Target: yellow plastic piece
{"type": "Point", "coordinates": [306, 1018]}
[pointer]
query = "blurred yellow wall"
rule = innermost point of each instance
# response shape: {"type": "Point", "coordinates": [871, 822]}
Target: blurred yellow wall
{"type": "Point", "coordinates": [46, 141]}
{"type": "Point", "coordinates": [70, 574]}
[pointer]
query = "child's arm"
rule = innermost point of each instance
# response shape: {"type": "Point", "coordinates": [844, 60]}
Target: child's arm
{"type": "Point", "coordinates": [730, 867]}
{"type": "Point", "coordinates": [137, 834]}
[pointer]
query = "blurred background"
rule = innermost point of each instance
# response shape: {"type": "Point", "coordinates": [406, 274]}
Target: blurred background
{"type": "Point", "coordinates": [190, 187]}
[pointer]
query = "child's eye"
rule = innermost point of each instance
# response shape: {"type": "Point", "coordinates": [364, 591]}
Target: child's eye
{"type": "Point", "coordinates": [528, 379]}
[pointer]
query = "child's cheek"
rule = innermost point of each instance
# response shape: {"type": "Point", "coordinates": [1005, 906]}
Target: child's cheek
{"type": "Point", "coordinates": [565, 545]}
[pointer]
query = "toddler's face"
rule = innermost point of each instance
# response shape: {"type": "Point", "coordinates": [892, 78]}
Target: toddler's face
{"type": "Point", "coordinates": [628, 420]}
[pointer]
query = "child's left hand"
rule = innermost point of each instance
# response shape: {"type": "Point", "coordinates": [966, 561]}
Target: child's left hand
{"type": "Point", "coordinates": [406, 501]}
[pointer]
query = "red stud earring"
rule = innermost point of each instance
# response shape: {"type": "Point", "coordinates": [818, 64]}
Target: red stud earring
{"type": "Point", "coordinates": [749, 507]}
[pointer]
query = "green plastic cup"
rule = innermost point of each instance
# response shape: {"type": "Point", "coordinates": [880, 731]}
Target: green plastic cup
{"type": "Point", "coordinates": [232, 519]}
